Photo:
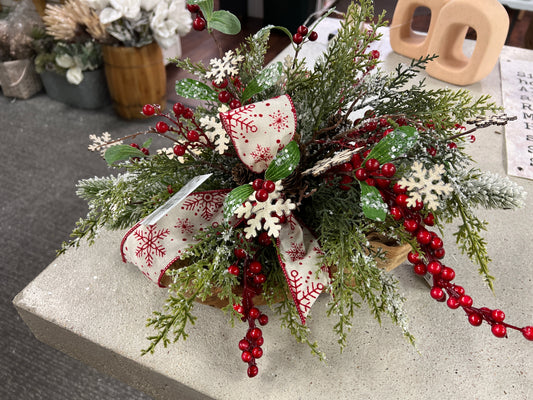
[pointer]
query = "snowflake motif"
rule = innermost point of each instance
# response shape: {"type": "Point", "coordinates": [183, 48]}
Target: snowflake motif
{"type": "Point", "coordinates": [296, 252]}
{"type": "Point", "coordinates": [264, 215]}
{"type": "Point", "coordinates": [101, 143]}
{"type": "Point", "coordinates": [205, 203]}
{"type": "Point", "coordinates": [215, 131]}
{"type": "Point", "coordinates": [262, 154]}
{"type": "Point", "coordinates": [149, 243]}
{"type": "Point", "coordinates": [228, 66]}
{"type": "Point", "coordinates": [279, 121]}
{"type": "Point", "coordinates": [168, 151]}
{"type": "Point", "coordinates": [425, 185]}
{"type": "Point", "coordinates": [185, 226]}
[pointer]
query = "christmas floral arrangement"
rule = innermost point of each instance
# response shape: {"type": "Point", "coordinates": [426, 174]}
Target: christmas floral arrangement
{"type": "Point", "coordinates": [136, 23]}
{"type": "Point", "coordinates": [275, 189]}
{"type": "Point", "coordinates": [69, 44]}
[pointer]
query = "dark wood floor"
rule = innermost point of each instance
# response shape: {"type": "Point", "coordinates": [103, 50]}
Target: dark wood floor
{"type": "Point", "coordinates": [199, 46]}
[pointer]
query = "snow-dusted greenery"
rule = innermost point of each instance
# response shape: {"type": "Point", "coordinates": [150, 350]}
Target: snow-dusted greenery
{"type": "Point", "coordinates": [343, 80]}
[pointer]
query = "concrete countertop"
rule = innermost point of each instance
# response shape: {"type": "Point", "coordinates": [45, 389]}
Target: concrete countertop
{"type": "Point", "coordinates": [92, 306]}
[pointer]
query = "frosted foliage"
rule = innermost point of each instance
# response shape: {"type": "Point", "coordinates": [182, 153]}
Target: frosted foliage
{"type": "Point", "coordinates": [222, 68]}
{"type": "Point", "coordinates": [494, 191]}
{"type": "Point", "coordinates": [425, 185]}
{"type": "Point", "coordinates": [264, 215]}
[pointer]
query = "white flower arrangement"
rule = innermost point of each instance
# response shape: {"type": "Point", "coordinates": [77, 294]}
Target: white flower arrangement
{"type": "Point", "coordinates": [140, 22]}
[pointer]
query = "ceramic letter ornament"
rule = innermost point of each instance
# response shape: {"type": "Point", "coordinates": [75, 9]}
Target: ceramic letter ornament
{"type": "Point", "coordinates": [450, 21]}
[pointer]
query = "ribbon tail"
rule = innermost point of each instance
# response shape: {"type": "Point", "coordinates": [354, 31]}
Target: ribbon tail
{"type": "Point", "coordinates": [300, 261]}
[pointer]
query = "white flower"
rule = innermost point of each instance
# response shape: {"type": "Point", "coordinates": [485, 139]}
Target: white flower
{"type": "Point", "coordinates": [64, 61]}
{"type": "Point", "coordinates": [75, 75]}
{"type": "Point", "coordinates": [169, 20]}
{"type": "Point", "coordinates": [149, 5]}
{"type": "Point", "coordinates": [97, 4]}
{"type": "Point", "coordinates": [130, 9]}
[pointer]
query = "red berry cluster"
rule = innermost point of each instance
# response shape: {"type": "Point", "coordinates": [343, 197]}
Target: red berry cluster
{"type": "Point", "coordinates": [432, 246]}
{"type": "Point", "coordinates": [253, 279]}
{"type": "Point", "coordinates": [226, 91]}
{"type": "Point", "coordinates": [143, 149]}
{"type": "Point", "coordinates": [199, 23]}
{"type": "Point", "coordinates": [262, 189]}
{"type": "Point", "coordinates": [182, 123]}
{"type": "Point", "coordinates": [302, 33]}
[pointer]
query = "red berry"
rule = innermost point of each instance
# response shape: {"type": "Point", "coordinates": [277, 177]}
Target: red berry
{"type": "Point", "coordinates": [199, 24]}
{"type": "Point", "coordinates": [447, 274]}
{"type": "Point", "coordinates": [465, 301]}
{"type": "Point", "coordinates": [453, 303]}
{"type": "Point", "coordinates": [302, 30]}
{"type": "Point", "coordinates": [374, 54]}
{"type": "Point", "coordinates": [474, 319]}
{"type": "Point", "coordinates": [396, 213]}
{"type": "Point", "coordinates": [255, 333]}
{"type": "Point", "coordinates": [434, 267]}
{"type": "Point", "coordinates": [233, 104]}
{"type": "Point", "coordinates": [418, 206]}
{"type": "Point", "coordinates": [169, 189]}
{"type": "Point", "coordinates": [261, 195]}
{"type": "Point", "coordinates": [145, 151]}
{"type": "Point", "coordinates": [193, 136]}
{"type": "Point", "coordinates": [135, 145]}
{"type": "Point", "coordinates": [527, 331]}
{"type": "Point", "coordinates": [238, 308]}
{"type": "Point", "coordinates": [313, 36]}
{"type": "Point", "coordinates": [257, 352]}
{"type": "Point", "coordinates": [436, 243]}
{"type": "Point", "coordinates": [432, 151]}
{"type": "Point", "coordinates": [259, 279]}
{"type": "Point", "coordinates": [269, 186]}
{"type": "Point", "coordinates": [257, 184]}
{"type": "Point", "coordinates": [297, 38]}
{"type": "Point", "coordinates": [401, 200]}
{"type": "Point", "coordinates": [437, 293]}
{"type": "Point", "coordinates": [252, 371]}
{"type": "Point", "coordinates": [399, 189]}
{"type": "Point", "coordinates": [221, 85]}
{"type": "Point", "coordinates": [264, 239]}
{"type": "Point", "coordinates": [244, 344]}
{"type": "Point", "coordinates": [370, 182]}
{"type": "Point", "coordinates": [260, 341]}
{"type": "Point", "coordinates": [356, 160]}
{"type": "Point", "coordinates": [361, 174]}
{"type": "Point", "coordinates": [346, 167]}
{"type": "Point", "coordinates": [178, 109]}
{"type": "Point", "coordinates": [246, 356]}
{"type": "Point", "coordinates": [233, 270]}
{"type": "Point", "coordinates": [499, 330]}
{"type": "Point", "coordinates": [344, 181]}
{"type": "Point", "coordinates": [148, 110]}
{"type": "Point", "coordinates": [420, 269]}
{"type": "Point", "coordinates": [193, 8]}
{"type": "Point", "coordinates": [498, 315]}
{"type": "Point", "coordinates": [161, 127]}
{"type": "Point", "coordinates": [459, 289]}
{"type": "Point", "coordinates": [410, 225]}
{"type": "Point", "coordinates": [388, 170]}
{"type": "Point", "coordinates": [452, 145]}
{"type": "Point", "coordinates": [255, 267]}
{"type": "Point", "coordinates": [263, 319]}
{"type": "Point", "coordinates": [413, 257]}
{"type": "Point", "coordinates": [429, 219]}
{"type": "Point", "coordinates": [372, 165]}
{"type": "Point", "coordinates": [179, 150]}
{"type": "Point", "coordinates": [188, 113]}
{"type": "Point", "coordinates": [423, 236]}
{"type": "Point", "coordinates": [439, 253]}
{"type": "Point", "coordinates": [239, 253]}
{"type": "Point", "coordinates": [254, 313]}
{"type": "Point", "coordinates": [224, 96]}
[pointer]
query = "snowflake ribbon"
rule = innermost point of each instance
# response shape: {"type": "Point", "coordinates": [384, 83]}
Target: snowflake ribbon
{"type": "Point", "coordinates": [258, 132]}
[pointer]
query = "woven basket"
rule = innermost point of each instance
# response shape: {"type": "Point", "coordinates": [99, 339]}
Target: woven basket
{"type": "Point", "coordinates": [395, 255]}
{"type": "Point", "coordinates": [19, 79]}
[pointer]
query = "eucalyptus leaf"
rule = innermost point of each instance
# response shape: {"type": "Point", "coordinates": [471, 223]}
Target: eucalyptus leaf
{"type": "Point", "coordinates": [121, 152]}
{"type": "Point", "coordinates": [147, 143]}
{"type": "Point", "coordinates": [372, 203]}
{"type": "Point", "coordinates": [394, 145]}
{"type": "Point", "coordinates": [235, 199]}
{"type": "Point", "coordinates": [193, 89]}
{"type": "Point", "coordinates": [268, 77]}
{"type": "Point", "coordinates": [284, 163]}
{"type": "Point", "coordinates": [206, 6]}
{"type": "Point", "coordinates": [225, 22]}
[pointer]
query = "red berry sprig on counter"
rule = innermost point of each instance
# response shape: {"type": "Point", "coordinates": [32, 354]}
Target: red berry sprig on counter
{"type": "Point", "coordinates": [302, 33]}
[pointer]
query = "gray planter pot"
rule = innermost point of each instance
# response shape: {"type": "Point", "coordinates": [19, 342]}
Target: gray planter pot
{"type": "Point", "coordinates": [91, 93]}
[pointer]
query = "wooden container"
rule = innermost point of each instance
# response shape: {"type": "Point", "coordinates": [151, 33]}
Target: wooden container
{"type": "Point", "coordinates": [135, 76]}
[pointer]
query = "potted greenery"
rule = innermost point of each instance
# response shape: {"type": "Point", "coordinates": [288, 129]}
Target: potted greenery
{"type": "Point", "coordinates": [69, 59]}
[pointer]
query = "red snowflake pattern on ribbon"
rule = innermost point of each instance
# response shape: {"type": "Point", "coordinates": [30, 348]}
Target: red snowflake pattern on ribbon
{"type": "Point", "coordinates": [184, 225]}
{"type": "Point", "coordinates": [304, 294]}
{"type": "Point", "coordinates": [280, 121]}
{"type": "Point", "coordinates": [150, 244]}
{"type": "Point", "coordinates": [205, 204]}
{"type": "Point", "coordinates": [296, 252]}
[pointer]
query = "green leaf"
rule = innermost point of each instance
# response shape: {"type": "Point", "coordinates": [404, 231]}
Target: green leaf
{"type": "Point", "coordinates": [235, 198]}
{"type": "Point", "coordinates": [284, 163]}
{"type": "Point", "coordinates": [372, 203]}
{"type": "Point", "coordinates": [268, 77]}
{"type": "Point", "coordinates": [121, 152]}
{"type": "Point", "coordinates": [225, 22]}
{"type": "Point", "coordinates": [193, 89]}
{"type": "Point", "coordinates": [394, 145]}
{"type": "Point", "coordinates": [147, 143]}
{"type": "Point", "coordinates": [206, 6]}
